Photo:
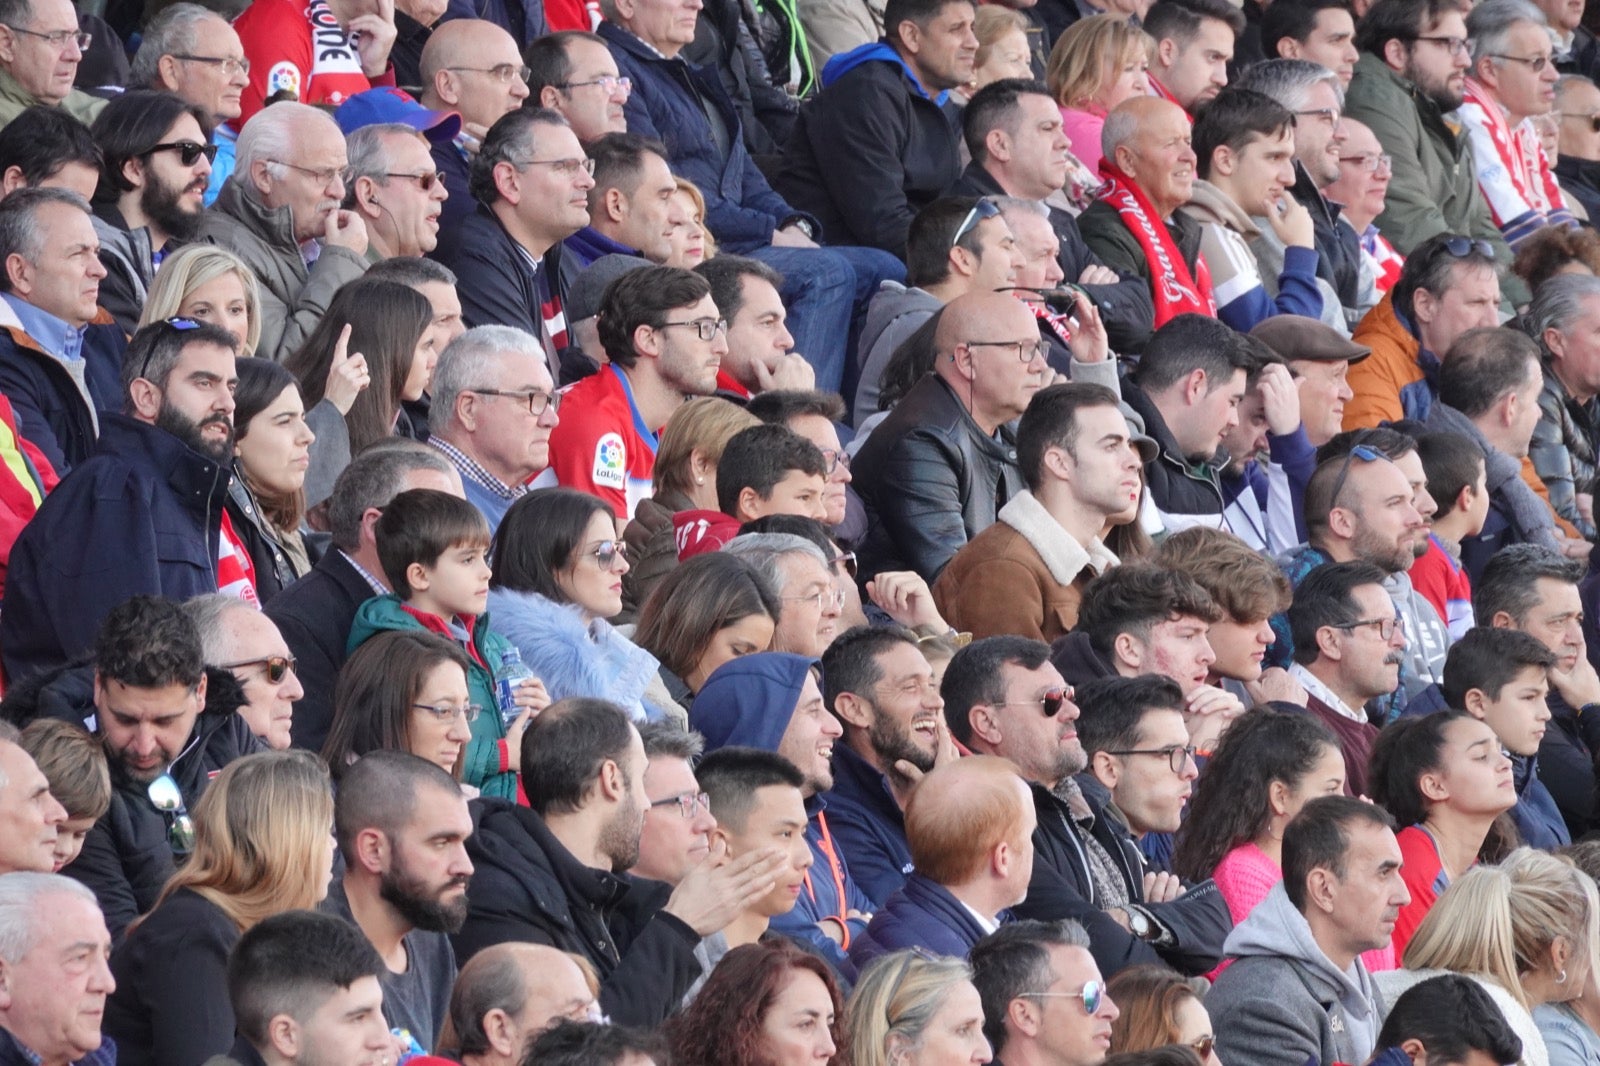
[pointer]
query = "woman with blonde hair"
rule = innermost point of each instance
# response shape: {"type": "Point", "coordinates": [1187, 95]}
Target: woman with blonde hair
{"type": "Point", "coordinates": [209, 284]}
{"type": "Point", "coordinates": [691, 241]}
{"type": "Point", "coordinates": [262, 844]}
{"type": "Point", "coordinates": [1003, 50]}
{"type": "Point", "coordinates": [1571, 1029]}
{"type": "Point", "coordinates": [1095, 65]}
{"type": "Point", "coordinates": [1524, 930]}
{"type": "Point", "coordinates": [913, 1009]}
{"type": "Point", "coordinates": [1160, 1007]}
{"type": "Point", "coordinates": [684, 479]}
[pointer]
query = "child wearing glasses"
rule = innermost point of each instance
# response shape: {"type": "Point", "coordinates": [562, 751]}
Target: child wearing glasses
{"type": "Point", "coordinates": [434, 550]}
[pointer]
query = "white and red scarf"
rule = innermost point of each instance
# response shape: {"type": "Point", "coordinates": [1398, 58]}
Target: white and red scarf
{"type": "Point", "coordinates": [1518, 179]}
{"type": "Point", "coordinates": [1174, 289]}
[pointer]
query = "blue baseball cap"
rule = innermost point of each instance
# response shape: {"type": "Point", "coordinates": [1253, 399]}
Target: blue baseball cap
{"type": "Point", "coordinates": [386, 104]}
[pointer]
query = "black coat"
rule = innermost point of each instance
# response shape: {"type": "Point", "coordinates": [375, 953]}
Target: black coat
{"type": "Point", "coordinates": [931, 480]}
{"type": "Point", "coordinates": [868, 153]}
{"type": "Point", "coordinates": [126, 857]}
{"type": "Point", "coordinates": [1125, 307]}
{"type": "Point", "coordinates": [315, 615]}
{"type": "Point", "coordinates": [1177, 487]}
{"type": "Point", "coordinates": [143, 515]}
{"type": "Point", "coordinates": [1580, 178]}
{"type": "Point", "coordinates": [529, 888]}
{"type": "Point", "coordinates": [725, 41]}
{"type": "Point", "coordinates": [1338, 247]}
{"type": "Point", "coordinates": [1062, 887]}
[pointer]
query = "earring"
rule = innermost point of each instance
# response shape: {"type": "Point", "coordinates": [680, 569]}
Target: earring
{"type": "Point", "coordinates": [1561, 977]}
{"type": "Point", "coordinates": [699, 481]}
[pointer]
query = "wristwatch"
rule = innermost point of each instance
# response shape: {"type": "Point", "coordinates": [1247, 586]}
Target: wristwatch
{"type": "Point", "coordinates": [1139, 924]}
{"type": "Point", "coordinates": [801, 223]}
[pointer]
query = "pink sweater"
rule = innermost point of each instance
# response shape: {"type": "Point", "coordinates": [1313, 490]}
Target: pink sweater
{"type": "Point", "coordinates": [1245, 876]}
{"type": "Point", "coordinates": [1083, 133]}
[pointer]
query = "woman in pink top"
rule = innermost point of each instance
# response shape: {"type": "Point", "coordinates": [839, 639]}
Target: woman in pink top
{"type": "Point", "coordinates": [1095, 65]}
{"type": "Point", "coordinates": [1448, 785]}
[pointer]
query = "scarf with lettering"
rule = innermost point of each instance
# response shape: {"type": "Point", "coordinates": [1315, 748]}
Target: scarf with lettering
{"type": "Point", "coordinates": [1175, 290]}
{"type": "Point", "coordinates": [1522, 181]}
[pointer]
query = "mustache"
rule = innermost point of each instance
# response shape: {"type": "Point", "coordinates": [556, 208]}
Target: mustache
{"type": "Point", "coordinates": [1394, 658]}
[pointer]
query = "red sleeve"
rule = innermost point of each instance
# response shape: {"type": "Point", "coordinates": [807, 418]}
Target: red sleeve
{"type": "Point", "coordinates": [1421, 875]}
{"type": "Point", "coordinates": [277, 41]}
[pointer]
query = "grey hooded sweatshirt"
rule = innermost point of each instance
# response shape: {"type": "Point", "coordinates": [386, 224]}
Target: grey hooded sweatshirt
{"type": "Point", "coordinates": [1283, 1002]}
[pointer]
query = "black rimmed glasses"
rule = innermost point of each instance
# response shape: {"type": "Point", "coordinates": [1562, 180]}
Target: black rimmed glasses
{"type": "Point", "coordinates": [230, 65]}
{"type": "Point", "coordinates": [427, 179]}
{"type": "Point", "coordinates": [689, 804]}
{"type": "Point", "coordinates": [444, 712]}
{"type": "Point", "coordinates": [536, 399]}
{"type": "Point", "coordinates": [704, 328]}
{"type": "Point", "coordinates": [166, 797]}
{"type": "Point", "coordinates": [1330, 115]}
{"type": "Point", "coordinates": [606, 81]}
{"type": "Point", "coordinates": [1091, 995]}
{"type": "Point", "coordinates": [1178, 756]}
{"type": "Point", "coordinates": [984, 208]}
{"type": "Point", "coordinates": [58, 39]}
{"type": "Point", "coordinates": [1454, 45]}
{"type": "Point", "coordinates": [278, 666]}
{"type": "Point", "coordinates": [1051, 702]}
{"type": "Point", "coordinates": [189, 152]}
{"type": "Point", "coordinates": [1027, 352]}
{"type": "Point", "coordinates": [1385, 627]}
{"type": "Point", "coordinates": [500, 72]}
{"type": "Point", "coordinates": [833, 460]}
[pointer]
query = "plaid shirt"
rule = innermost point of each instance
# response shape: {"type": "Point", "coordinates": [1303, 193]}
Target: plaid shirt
{"type": "Point", "coordinates": [471, 468]}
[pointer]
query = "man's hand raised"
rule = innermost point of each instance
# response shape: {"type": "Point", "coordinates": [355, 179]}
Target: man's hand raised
{"type": "Point", "coordinates": [715, 892]}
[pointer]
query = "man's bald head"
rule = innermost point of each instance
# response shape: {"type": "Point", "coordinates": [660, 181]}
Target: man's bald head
{"type": "Point", "coordinates": [458, 68]}
{"type": "Point", "coordinates": [532, 986]}
{"type": "Point", "coordinates": [977, 315]}
{"type": "Point", "coordinates": [1129, 118]}
{"type": "Point", "coordinates": [458, 42]}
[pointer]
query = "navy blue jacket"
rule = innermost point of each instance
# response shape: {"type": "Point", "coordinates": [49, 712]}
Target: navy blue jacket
{"type": "Point", "coordinates": [920, 914]}
{"type": "Point", "coordinates": [50, 409]}
{"type": "Point", "coordinates": [315, 615]}
{"type": "Point", "coordinates": [142, 516]}
{"type": "Point", "coordinates": [869, 825]}
{"type": "Point", "coordinates": [742, 211]}
{"type": "Point", "coordinates": [1538, 818]}
{"type": "Point", "coordinates": [460, 205]}
{"type": "Point", "coordinates": [523, 19]}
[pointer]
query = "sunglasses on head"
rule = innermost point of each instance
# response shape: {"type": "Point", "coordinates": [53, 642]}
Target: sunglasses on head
{"type": "Point", "coordinates": [984, 208]}
{"type": "Point", "coordinates": [1461, 247]}
{"type": "Point", "coordinates": [278, 666]}
{"type": "Point", "coordinates": [1364, 452]}
{"type": "Point", "coordinates": [166, 797]}
{"type": "Point", "coordinates": [182, 325]}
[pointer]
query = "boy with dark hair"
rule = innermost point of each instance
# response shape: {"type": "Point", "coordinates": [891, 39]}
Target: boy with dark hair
{"type": "Point", "coordinates": [1502, 676]}
{"type": "Point", "coordinates": [434, 550]}
{"type": "Point", "coordinates": [1245, 146]}
{"type": "Point", "coordinates": [1457, 482]}
{"type": "Point", "coordinates": [769, 469]}
{"type": "Point", "coordinates": [74, 763]}
{"type": "Point", "coordinates": [1446, 1019]}
{"type": "Point", "coordinates": [1321, 31]}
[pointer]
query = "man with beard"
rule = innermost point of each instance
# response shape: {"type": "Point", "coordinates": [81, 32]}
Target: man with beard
{"type": "Point", "coordinates": [879, 686]}
{"type": "Point", "coordinates": [145, 514]}
{"type": "Point", "coordinates": [152, 190]}
{"type": "Point", "coordinates": [1412, 72]}
{"type": "Point", "coordinates": [60, 354]}
{"type": "Point", "coordinates": [1003, 697]}
{"type": "Point", "coordinates": [168, 726]}
{"type": "Point", "coordinates": [402, 826]}
{"type": "Point", "coordinates": [551, 872]}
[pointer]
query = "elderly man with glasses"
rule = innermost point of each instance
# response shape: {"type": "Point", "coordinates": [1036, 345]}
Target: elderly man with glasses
{"type": "Point", "coordinates": [235, 636]}
{"type": "Point", "coordinates": [40, 49]}
{"type": "Point", "coordinates": [280, 212]}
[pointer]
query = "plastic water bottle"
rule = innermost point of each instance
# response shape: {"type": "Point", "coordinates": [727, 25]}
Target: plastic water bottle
{"type": "Point", "coordinates": [512, 673]}
{"type": "Point", "coordinates": [413, 1049]}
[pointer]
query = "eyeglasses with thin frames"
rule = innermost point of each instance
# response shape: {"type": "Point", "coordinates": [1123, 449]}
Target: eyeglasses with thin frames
{"type": "Point", "coordinates": [566, 168]}
{"type": "Point", "coordinates": [58, 39]}
{"type": "Point", "coordinates": [444, 712]}
{"type": "Point", "coordinates": [1454, 45]}
{"type": "Point", "coordinates": [1051, 701]}
{"type": "Point", "coordinates": [501, 72]}
{"type": "Point", "coordinates": [1027, 352]}
{"type": "Point", "coordinates": [1091, 995]}
{"type": "Point", "coordinates": [323, 177]}
{"type": "Point", "coordinates": [704, 328]}
{"type": "Point", "coordinates": [689, 804]}
{"type": "Point", "coordinates": [823, 598]}
{"type": "Point", "coordinates": [1330, 115]}
{"type": "Point", "coordinates": [1371, 162]}
{"type": "Point", "coordinates": [230, 65]}
{"type": "Point", "coordinates": [605, 81]}
{"type": "Point", "coordinates": [536, 399]}
{"type": "Point", "coordinates": [427, 179]}
{"type": "Point", "coordinates": [1178, 756]}
{"type": "Point", "coordinates": [278, 666]}
{"type": "Point", "coordinates": [1533, 63]}
{"type": "Point", "coordinates": [166, 797]}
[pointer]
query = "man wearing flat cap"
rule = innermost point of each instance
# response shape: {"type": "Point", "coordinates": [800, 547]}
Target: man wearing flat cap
{"type": "Point", "coordinates": [1319, 358]}
{"type": "Point", "coordinates": [1025, 574]}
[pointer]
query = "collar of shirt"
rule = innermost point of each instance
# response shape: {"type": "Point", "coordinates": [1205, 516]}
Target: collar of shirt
{"type": "Point", "coordinates": [54, 335]}
{"type": "Point", "coordinates": [1314, 686]}
{"type": "Point", "coordinates": [983, 923]}
{"type": "Point", "coordinates": [378, 587]}
{"type": "Point", "coordinates": [471, 468]}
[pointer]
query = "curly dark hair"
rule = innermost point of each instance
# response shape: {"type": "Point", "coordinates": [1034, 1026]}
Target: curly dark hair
{"type": "Point", "coordinates": [722, 1027]}
{"type": "Point", "coordinates": [1550, 250]}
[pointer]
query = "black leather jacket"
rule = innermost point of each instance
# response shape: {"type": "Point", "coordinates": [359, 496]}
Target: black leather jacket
{"type": "Point", "coordinates": [931, 480]}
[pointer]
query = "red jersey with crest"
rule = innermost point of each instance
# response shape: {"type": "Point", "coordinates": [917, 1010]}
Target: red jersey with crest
{"type": "Point", "coordinates": [297, 46]}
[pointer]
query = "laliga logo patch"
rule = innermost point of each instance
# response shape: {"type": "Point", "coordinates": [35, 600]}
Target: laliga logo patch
{"type": "Point", "coordinates": [283, 77]}
{"type": "Point", "coordinates": [610, 459]}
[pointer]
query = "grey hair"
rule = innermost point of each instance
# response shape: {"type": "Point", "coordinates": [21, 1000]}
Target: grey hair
{"type": "Point", "coordinates": [15, 12]}
{"type": "Point", "coordinates": [1121, 126]}
{"type": "Point", "coordinates": [1491, 22]}
{"type": "Point", "coordinates": [664, 740]}
{"type": "Point", "coordinates": [369, 153]}
{"type": "Point", "coordinates": [467, 360]}
{"type": "Point", "coordinates": [372, 479]}
{"type": "Point", "coordinates": [765, 551]}
{"type": "Point", "coordinates": [1560, 300]}
{"type": "Point", "coordinates": [1016, 204]}
{"type": "Point", "coordinates": [208, 613]}
{"type": "Point", "coordinates": [1568, 81]}
{"type": "Point", "coordinates": [20, 896]}
{"type": "Point", "coordinates": [1289, 81]}
{"type": "Point", "coordinates": [492, 980]}
{"type": "Point", "coordinates": [174, 32]}
{"type": "Point", "coordinates": [271, 133]}
{"type": "Point", "coordinates": [19, 223]}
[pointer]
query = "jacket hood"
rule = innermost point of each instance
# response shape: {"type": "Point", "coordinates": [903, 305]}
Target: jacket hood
{"type": "Point", "coordinates": [876, 52]}
{"type": "Point", "coordinates": [1077, 659]}
{"type": "Point", "coordinates": [1275, 928]}
{"type": "Point", "coordinates": [1210, 204]}
{"type": "Point", "coordinates": [749, 701]}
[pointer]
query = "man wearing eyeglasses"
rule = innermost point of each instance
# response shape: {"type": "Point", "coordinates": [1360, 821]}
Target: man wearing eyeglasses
{"type": "Point", "coordinates": [156, 147]}
{"type": "Point", "coordinates": [1003, 697]}
{"type": "Point", "coordinates": [235, 636]}
{"type": "Point", "coordinates": [395, 188]}
{"type": "Point", "coordinates": [40, 49]}
{"type": "Point", "coordinates": [1512, 78]}
{"type": "Point", "coordinates": [1140, 756]}
{"type": "Point", "coordinates": [1578, 164]}
{"type": "Point", "coordinates": [1044, 1000]}
{"type": "Point", "coordinates": [1412, 72]}
{"type": "Point", "coordinates": [572, 72]}
{"type": "Point", "coordinates": [281, 213]}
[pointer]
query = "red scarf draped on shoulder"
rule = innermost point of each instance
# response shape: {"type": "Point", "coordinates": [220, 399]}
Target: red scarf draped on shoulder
{"type": "Point", "coordinates": [1174, 289]}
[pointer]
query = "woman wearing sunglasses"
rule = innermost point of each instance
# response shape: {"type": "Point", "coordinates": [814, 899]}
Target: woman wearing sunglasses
{"type": "Point", "coordinates": [262, 846]}
{"type": "Point", "coordinates": [911, 1008]}
{"type": "Point", "coordinates": [272, 452]}
{"type": "Point", "coordinates": [404, 690]}
{"type": "Point", "coordinates": [1159, 1007]}
{"type": "Point", "coordinates": [768, 1003]}
{"type": "Point", "coordinates": [373, 350]}
{"type": "Point", "coordinates": [558, 565]}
